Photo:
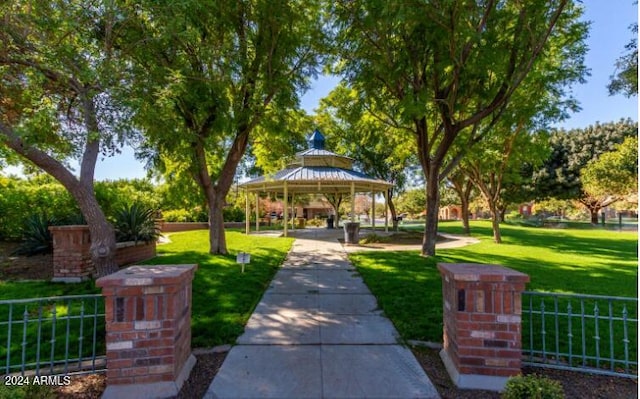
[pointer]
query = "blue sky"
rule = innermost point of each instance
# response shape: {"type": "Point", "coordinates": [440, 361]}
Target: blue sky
{"type": "Point", "coordinates": [609, 34]}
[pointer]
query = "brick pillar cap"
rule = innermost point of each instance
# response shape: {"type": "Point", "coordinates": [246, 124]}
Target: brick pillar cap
{"type": "Point", "coordinates": [147, 276]}
{"type": "Point", "coordinates": [481, 272]}
{"type": "Point", "coordinates": [69, 227]}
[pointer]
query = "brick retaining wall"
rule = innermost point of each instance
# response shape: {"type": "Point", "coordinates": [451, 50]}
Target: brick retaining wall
{"type": "Point", "coordinates": [72, 253]}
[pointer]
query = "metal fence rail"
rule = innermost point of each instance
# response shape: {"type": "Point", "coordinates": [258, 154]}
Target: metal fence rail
{"type": "Point", "coordinates": [592, 333]}
{"type": "Point", "coordinates": [53, 336]}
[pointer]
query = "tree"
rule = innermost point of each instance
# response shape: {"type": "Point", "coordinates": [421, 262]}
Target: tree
{"type": "Point", "coordinates": [412, 201]}
{"type": "Point", "coordinates": [277, 141]}
{"type": "Point", "coordinates": [497, 163]}
{"type": "Point", "coordinates": [57, 69]}
{"type": "Point", "coordinates": [625, 78]}
{"type": "Point", "coordinates": [209, 74]}
{"type": "Point", "coordinates": [571, 151]}
{"type": "Point", "coordinates": [379, 150]}
{"type": "Point", "coordinates": [447, 70]}
{"type": "Point", "coordinates": [335, 200]}
{"type": "Point", "coordinates": [613, 173]}
{"type": "Point", "coordinates": [463, 187]}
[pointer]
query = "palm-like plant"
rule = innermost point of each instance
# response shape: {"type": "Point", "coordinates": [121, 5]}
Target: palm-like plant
{"type": "Point", "coordinates": [135, 223]}
{"type": "Point", "coordinates": [37, 237]}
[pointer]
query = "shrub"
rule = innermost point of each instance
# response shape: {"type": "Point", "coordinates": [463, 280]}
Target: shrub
{"type": "Point", "coordinates": [233, 214]}
{"type": "Point", "coordinates": [176, 215]}
{"type": "Point", "coordinates": [136, 223]}
{"type": "Point", "coordinates": [514, 215]}
{"type": "Point", "coordinates": [197, 214]}
{"type": "Point", "coordinates": [532, 387]}
{"type": "Point", "coordinates": [317, 222]}
{"type": "Point", "coordinates": [27, 392]}
{"type": "Point", "coordinates": [36, 236]}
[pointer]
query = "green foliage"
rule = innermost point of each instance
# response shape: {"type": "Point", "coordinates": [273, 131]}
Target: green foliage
{"type": "Point", "coordinates": [177, 215]}
{"type": "Point", "coordinates": [317, 222]}
{"type": "Point", "coordinates": [22, 198]}
{"type": "Point", "coordinates": [233, 214]}
{"type": "Point", "coordinates": [356, 130]}
{"type": "Point", "coordinates": [27, 392]}
{"type": "Point", "coordinates": [571, 151]}
{"type": "Point", "coordinates": [36, 236]}
{"type": "Point", "coordinates": [196, 214]}
{"type": "Point", "coordinates": [209, 75]}
{"type": "Point", "coordinates": [412, 201]}
{"type": "Point", "coordinates": [613, 173]}
{"type": "Point", "coordinates": [115, 194]}
{"type": "Point", "coordinates": [625, 78]}
{"type": "Point", "coordinates": [448, 71]}
{"type": "Point", "coordinates": [136, 223]}
{"type": "Point", "coordinates": [532, 387]}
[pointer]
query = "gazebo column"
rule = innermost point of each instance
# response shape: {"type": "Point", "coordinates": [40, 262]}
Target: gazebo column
{"type": "Point", "coordinates": [286, 209]}
{"type": "Point", "coordinates": [293, 211]}
{"type": "Point", "coordinates": [247, 211]}
{"type": "Point", "coordinates": [386, 211]}
{"type": "Point", "coordinates": [353, 202]}
{"type": "Point", "coordinates": [257, 211]}
{"type": "Point", "coordinates": [373, 211]}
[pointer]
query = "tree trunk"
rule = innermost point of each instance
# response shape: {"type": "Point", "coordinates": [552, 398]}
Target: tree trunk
{"type": "Point", "coordinates": [431, 223]}
{"type": "Point", "coordinates": [502, 210]}
{"type": "Point", "coordinates": [394, 215]}
{"type": "Point", "coordinates": [465, 215]}
{"type": "Point", "coordinates": [103, 237]}
{"type": "Point", "coordinates": [463, 187]}
{"type": "Point", "coordinates": [495, 223]}
{"type": "Point", "coordinates": [594, 215]}
{"type": "Point", "coordinates": [217, 239]}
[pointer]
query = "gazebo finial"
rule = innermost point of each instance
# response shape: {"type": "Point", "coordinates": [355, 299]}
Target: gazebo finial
{"type": "Point", "coordinates": [316, 140]}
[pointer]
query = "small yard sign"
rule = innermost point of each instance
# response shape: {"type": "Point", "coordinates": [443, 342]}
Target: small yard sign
{"type": "Point", "coordinates": [243, 258]}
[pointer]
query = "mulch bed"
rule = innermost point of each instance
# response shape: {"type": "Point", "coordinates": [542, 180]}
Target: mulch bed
{"type": "Point", "coordinates": [37, 267]}
{"type": "Point", "coordinates": [576, 385]}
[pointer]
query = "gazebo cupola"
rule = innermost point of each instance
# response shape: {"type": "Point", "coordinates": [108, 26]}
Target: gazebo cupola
{"type": "Point", "coordinates": [317, 156]}
{"type": "Point", "coordinates": [316, 140]}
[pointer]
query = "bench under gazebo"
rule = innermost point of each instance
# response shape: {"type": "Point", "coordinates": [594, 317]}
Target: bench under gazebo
{"type": "Point", "coordinates": [315, 171]}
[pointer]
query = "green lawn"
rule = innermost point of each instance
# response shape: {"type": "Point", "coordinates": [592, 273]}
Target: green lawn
{"type": "Point", "coordinates": [223, 297]}
{"type": "Point", "coordinates": [597, 262]}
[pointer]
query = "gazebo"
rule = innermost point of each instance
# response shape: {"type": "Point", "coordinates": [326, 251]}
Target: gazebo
{"type": "Point", "coordinates": [315, 171]}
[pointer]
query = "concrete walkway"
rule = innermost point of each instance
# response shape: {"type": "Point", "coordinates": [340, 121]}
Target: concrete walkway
{"type": "Point", "coordinates": [318, 333]}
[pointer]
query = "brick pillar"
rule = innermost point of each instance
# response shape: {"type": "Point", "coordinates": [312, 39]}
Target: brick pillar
{"type": "Point", "coordinates": [148, 318]}
{"type": "Point", "coordinates": [482, 315]}
{"type": "Point", "coordinates": [71, 253]}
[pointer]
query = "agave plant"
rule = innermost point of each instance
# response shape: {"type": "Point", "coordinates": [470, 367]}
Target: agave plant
{"type": "Point", "coordinates": [136, 223]}
{"type": "Point", "coordinates": [36, 235]}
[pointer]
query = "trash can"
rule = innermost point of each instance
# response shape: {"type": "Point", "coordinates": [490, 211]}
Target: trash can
{"type": "Point", "coordinates": [351, 233]}
{"type": "Point", "coordinates": [330, 222]}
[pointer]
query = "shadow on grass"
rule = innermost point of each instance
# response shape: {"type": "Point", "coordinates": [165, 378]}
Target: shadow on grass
{"type": "Point", "coordinates": [223, 296]}
{"type": "Point", "coordinates": [598, 279]}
